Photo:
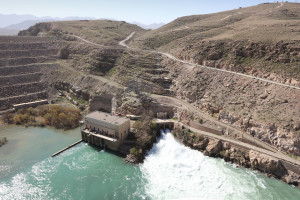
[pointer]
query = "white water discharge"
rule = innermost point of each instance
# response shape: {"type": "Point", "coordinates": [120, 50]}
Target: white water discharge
{"type": "Point", "coordinates": [174, 171]}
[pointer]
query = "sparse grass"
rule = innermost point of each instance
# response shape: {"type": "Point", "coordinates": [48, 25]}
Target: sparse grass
{"type": "Point", "coordinates": [292, 156]}
{"type": "Point", "coordinates": [80, 101]}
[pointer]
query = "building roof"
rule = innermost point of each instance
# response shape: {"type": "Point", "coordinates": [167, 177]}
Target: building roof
{"type": "Point", "coordinates": [106, 117]}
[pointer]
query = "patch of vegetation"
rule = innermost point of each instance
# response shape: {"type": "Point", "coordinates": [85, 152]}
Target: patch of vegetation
{"type": "Point", "coordinates": [80, 101]}
{"type": "Point", "coordinates": [137, 152]}
{"type": "Point", "coordinates": [145, 132]}
{"type": "Point", "coordinates": [292, 156]}
{"type": "Point", "coordinates": [52, 115]}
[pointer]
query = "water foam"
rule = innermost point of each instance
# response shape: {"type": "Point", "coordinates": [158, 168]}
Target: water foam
{"type": "Point", "coordinates": [175, 171]}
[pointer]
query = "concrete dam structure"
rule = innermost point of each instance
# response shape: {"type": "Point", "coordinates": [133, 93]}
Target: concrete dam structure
{"type": "Point", "coordinates": [23, 62]}
{"type": "Point", "coordinates": [105, 130]}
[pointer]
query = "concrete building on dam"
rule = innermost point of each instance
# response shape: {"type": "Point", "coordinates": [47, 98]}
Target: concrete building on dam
{"type": "Point", "coordinates": [105, 130]}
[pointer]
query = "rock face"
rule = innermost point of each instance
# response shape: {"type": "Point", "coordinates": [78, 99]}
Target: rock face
{"type": "Point", "coordinates": [266, 164]}
{"type": "Point", "coordinates": [241, 156]}
{"type": "Point", "coordinates": [265, 111]}
{"type": "Point", "coordinates": [213, 148]}
{"type": "Point", "coordinates": [3, 141]}
{"type": "Point", "coordinates": [132, 159]}
{"type": "Point", "coordinates": [101, 102]}
{"type": "Point", "coordinates": [139, 104]}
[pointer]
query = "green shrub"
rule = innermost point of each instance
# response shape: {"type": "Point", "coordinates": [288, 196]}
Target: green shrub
{"type": "Point", "coordinates": [53, 115]}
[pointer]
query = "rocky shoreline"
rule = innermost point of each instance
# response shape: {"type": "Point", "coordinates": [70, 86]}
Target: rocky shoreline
{"type": "Point", "coordinates": [269, 165]}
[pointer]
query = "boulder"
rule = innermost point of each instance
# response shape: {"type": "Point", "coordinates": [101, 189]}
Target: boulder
{"type": "Point", "coordinates": [201, 145]}
{"type": "Point", "coordinates": [132, 159]}
{"type": "Point", "coordinates": [214, 147]}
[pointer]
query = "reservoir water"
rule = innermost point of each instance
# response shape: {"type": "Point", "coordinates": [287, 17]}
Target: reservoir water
{"type": "Point", "coordinates": [170, 171]}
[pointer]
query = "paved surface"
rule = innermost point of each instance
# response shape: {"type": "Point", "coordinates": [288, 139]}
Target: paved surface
{"type": "Point", "coordinates": [217, 122]}
{"type": "Point", "coordinates": [269, 150]}
{"type": "Point", "coordinates": [247, 146]}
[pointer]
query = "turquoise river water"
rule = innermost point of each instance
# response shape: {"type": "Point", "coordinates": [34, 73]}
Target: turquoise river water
{"type": "Point", "coordinates": [170, 171]}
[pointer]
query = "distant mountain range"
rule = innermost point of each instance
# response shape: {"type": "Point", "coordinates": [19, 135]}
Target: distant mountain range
{"type": "Point", "coordinates": [12, 24]}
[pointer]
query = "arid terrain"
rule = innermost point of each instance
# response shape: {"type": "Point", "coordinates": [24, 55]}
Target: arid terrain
{"type": "Point", "coordinates": [237, 71]}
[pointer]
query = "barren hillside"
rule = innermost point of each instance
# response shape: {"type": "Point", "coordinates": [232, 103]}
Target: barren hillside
{"type": "Point", "coordinates": [262, 41]}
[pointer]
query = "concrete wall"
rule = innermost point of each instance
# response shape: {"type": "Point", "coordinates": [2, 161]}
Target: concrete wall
{"type": "Point", "coordinates": [101, 142]}
{"type": "Point", "coordinates": [7, 103]}
{"type": "Point", "coordinates": [119, 131]}
{"type": "Point", "coordinates": [31, 104]}
{"type": "Point", "coordinates": [109, 131]}
{"type": "Point", "coordinates": [162, 115]}
{"type": "Point", "coordinates": [124, 130]}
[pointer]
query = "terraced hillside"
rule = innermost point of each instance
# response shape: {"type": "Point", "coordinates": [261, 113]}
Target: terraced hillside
{"type": "Point", "coordinates": [262, 41]}
{"type": "Point", "coordinates": [23, 63]}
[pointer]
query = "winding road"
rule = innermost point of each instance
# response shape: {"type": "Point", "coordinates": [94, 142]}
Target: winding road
{"type": "Point", "coordinates": [123, 43]}
{"type": "Point", "coordinates": [267, 149]}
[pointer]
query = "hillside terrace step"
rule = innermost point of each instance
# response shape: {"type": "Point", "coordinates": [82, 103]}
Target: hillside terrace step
{"type": "Point", "coordinates": [21, 89]}
{"type": "Point", "coordinates": [21, 78]}
{"type": "Point", "coordinates": [28, 46]}
{"type": "Point", "coordinates": [25, 39]}
{"type": "Point", "coordinates": [24, 69]}
{"type": "Point", "coordinates": [6, 103]}
{"type": "Point", "coordinates": [27, 53]}
{"type": "Point", "coordinates": [24, 60]}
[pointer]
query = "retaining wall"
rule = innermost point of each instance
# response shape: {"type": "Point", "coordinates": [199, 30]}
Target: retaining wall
{"type": "Point", "coordinates": [21, 89]}
{"type": "Point", "coordinates": [7, 103]}
{"type": "Point", "coordinates": [28, 53]}
{"type": "Point", "coordinates": [25, 39]}
{"type": "Point", "coordinates": [17, 79]}
{"type": "Point", "coordinates": [26, 46]}
{"type": "Point", "coordinates": [19, 70]}
{"type": "Point", "coordinates": [22, 61]}
{"type": "Point", "coordinates": [205, 128]}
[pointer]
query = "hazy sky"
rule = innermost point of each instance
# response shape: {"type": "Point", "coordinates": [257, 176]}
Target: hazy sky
{"type": "Point", "coordinates": [144, 11]}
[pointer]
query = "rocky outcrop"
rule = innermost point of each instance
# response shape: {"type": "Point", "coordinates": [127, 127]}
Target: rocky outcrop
{"type": "Point", "coordinates": [241, 156]}
{"type": "Point", "coordinates": [101, 102]}
{"type": "Point", "coordinates": [139, 104]}
{"type": "Point", "coordinates": [3, 141]}
{"type": "Point", "coordinates": [247, 56]}
{"type": "Point", "coordinates": [282, 138]}
{"type": "Point", "coordinates": [36, 29]}
{"type": "Point", "coordinates": [74, 91]}
{"type": "Point", "coordinates": [132, 159]}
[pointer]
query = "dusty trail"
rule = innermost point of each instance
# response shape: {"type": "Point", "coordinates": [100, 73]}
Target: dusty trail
{"type": "Point", "coordinates": [267, 149]}
{"type": "Point", "coordinates": [123, 43]}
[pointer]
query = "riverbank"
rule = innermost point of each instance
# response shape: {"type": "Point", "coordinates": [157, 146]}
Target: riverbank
{"type": "Point", "coordinates": [170, 170]}
{"type": "Point", "coordinates": [241, 156]}
{"type": "Point", "coordinates": [51, 115]}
